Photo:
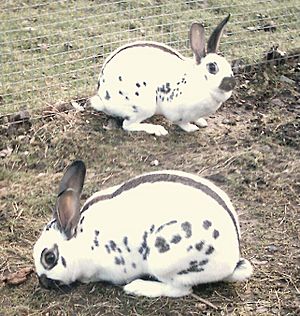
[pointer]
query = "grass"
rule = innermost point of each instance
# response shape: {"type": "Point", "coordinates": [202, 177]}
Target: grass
{"type": "Point", "coordinates": [53, 51]}
{"type": "Point", "coordinates": [250, 149]}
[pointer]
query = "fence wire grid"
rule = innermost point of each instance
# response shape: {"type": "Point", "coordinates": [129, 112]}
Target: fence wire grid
{"type": "Point", "coordinates": [52, 51]}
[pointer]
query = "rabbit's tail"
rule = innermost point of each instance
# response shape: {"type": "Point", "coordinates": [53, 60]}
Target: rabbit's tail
{"type": "Point", "coordinates": [242, 271]}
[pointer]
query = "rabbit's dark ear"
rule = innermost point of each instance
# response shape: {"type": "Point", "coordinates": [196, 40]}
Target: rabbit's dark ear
{"type": "Point", "coordinates": [197, 41]}
{"type": "Point", "coordinates": [67, 212]}
{"type": "Point", "coordinates": [214, 39]}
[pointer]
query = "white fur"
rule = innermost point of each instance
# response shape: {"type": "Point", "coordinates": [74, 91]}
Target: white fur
{"type": "Point", "coordinates": [195, 92]}
{"type": "Point", "coordinates": [141, 210]}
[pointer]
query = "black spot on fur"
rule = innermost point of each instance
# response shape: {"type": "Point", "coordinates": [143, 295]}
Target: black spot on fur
{"type": "Point", "coordinates": [119, 260]}
{"type": "Point", "coordinates": [205, 77]}
{"type": "Point", "coordinates": [187, 228]}
{"type": "Point", "coordinates": [183, 272]}
{"type": "Point", "coordinates": [125, 241]}
{"type": "Point", "coordinates": [162, 245]}
{"type": "Point", "coordinates": [216, 234]}
{"type": "Point", "coordinates": [133, 265]}
{"type": "Point", "coordinates": [165, 88]}
{"type": "Point", "coordinates": [107, 248]}
{"type": "Point", "coordinates": [203, 262]}
{"type": "Point", "coordinates": [144, 249]}
{"type": "Point", "coordinates": [209, 250]}
{"type": "Point", "coordinates": [175, 239]}
{"type": "Point", "coordinates": [168, 89]}
{"type": "Point", "coordinates": [189, 248]}
{"type": "Point", "coordinates": [126, 98]}
{"type": "Point", "coordinates": [134, 108]}
{"type": "Point", "coordinates": [97, 232]}
{"type": "Point", "coordinates": [107, 96]}
{"type": "Point", "coordinates": [144, 83]}
{"type": "Point", "coordinates": [120, 78]}
{"type": "Point", "coordinates": [166, 224]}
{"type": "Point", "coordinates": [120, 92]}
{"type": "Point", "coordinates": [152, 229]}
{"type": "Point", "coordinates": [138, 85]}
{"type": "Point", "coordinates": [81, 220]}
{"type": "Point", "coordinates": [96, 242]}
{"type": "Point", "coordinates": [92, 247]}
{"type": "Point", "coordinates": [119, 250]}
{"type": "Point", "coordinates": [81, 230]}
{"type": "Point", "coordinates": [98, 84]}
{"type": "Point", "coordinates": [194, 267]}
{"type": "Point", "coordinates": [199, 245]}
{"type": "Point", "coordinates": [112, 245]}
{"type": "Point", "coordinates": [206, 224]}
{"type": "Point", "coordinates": [137, 94]}
{"type": "Point", "coordinates": [63, 261]}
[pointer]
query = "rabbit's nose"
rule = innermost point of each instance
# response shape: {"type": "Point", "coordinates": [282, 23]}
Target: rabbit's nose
{"type": "Point", "coordinates": [48, 283]}
{"type": "Point", "coordinates": [227, 84]}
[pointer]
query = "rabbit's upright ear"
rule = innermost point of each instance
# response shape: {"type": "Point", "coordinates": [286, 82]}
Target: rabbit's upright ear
{"type": "Point", "coordinates": [197, 41]}
{"type": "Point", "coordinates": [214, 39]}
{"type": "Point", "coordinates": [67, 212]}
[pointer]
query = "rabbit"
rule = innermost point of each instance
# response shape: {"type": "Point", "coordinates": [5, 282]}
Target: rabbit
{"type": "Point", "coordinates": [145, 78]}
{"type": "Point", "coordinates": [178, 229]}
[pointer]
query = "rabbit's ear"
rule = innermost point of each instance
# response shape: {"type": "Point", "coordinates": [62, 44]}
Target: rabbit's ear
{"type": "Point", "coordinates": [214, 39]}
{"type": "Point", "coordinates": [67, 212]}
{"type": "Point", "coordinates": [197, 41]}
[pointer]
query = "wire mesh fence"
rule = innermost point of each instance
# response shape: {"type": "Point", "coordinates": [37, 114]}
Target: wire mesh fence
{"type": "Point", "coordinates": [52, 51]}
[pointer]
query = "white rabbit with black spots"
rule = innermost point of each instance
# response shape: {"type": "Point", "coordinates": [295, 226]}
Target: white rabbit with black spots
{"type": "Point", "coordinates": [145, 78]}
{"type": "Point", "coordinates": [175, 227]}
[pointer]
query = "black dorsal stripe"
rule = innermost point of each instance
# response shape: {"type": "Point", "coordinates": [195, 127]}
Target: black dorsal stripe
{"type": "Point", "coordinates": [145, 44]}
{"type": "Point", "coordinates": [162, 177]}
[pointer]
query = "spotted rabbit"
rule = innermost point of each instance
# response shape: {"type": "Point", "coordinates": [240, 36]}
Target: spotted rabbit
{"type": "Point", "coordinates": [145, 78]}
{"type": "Point", "coordinates": [177, 228]}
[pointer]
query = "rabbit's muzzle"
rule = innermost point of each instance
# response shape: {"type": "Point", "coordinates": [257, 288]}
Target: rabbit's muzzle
{"type": "Point", "coordinates": [48, 283]}
{"type": "Point", "coordinates": [227, 84]}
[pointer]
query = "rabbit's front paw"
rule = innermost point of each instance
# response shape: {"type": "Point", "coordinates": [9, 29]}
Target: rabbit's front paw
{"type": "Point", "coordinates": [188, 127]}
{"type": "Point", "coordinates": [201, 122]}
{"type": "Point", "coordinates": [157, 130]}
{"type": "Point", "coordinates": [155, 289]}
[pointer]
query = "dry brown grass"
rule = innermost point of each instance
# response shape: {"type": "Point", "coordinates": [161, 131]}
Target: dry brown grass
{"type": "Point", "coordinates": [251, 149]}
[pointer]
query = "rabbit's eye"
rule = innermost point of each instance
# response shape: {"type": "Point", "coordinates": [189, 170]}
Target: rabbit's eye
{"type": "Point", "coordinates": [49, 257]}
{"type": "Point", "coordinates": [212, 68]}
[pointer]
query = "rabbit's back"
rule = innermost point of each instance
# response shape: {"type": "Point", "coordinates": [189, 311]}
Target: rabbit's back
{"type": "Point", "coordinates": [162, 220]}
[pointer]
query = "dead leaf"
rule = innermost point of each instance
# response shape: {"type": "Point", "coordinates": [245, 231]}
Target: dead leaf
{"type": "Point", "coordinates": [16, 278]}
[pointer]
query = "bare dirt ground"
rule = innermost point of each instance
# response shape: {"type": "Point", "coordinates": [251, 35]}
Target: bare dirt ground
{"type": "Point", "coordinates": [250, 149]}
